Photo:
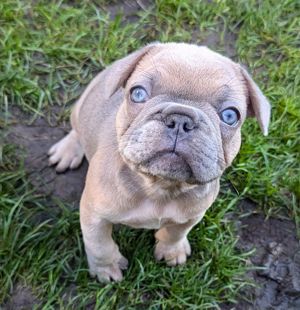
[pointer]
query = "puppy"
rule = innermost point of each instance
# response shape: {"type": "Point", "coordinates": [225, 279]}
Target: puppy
{"type": "Point", "coordinates": [158, 127]}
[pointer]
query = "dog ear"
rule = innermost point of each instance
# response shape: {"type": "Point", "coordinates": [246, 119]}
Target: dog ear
{"type": "Point", "coordinates": [258, 105]}
{"type": "Point", "coordinates": [116, 75]}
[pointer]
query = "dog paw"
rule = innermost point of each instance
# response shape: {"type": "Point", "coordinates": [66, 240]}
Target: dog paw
{"type": "Point", "coordinates": [67, 153]}
{"type": "Point", "coordinates": [173, 253]}
{"type": "Point", "coordinates": [110, 272]}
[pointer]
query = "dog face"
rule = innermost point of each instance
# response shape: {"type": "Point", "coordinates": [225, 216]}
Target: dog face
{"type": "Point", "coordinates": [183, 110]}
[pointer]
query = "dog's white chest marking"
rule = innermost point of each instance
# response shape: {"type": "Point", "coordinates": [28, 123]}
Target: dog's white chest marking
{"type": "Point", "coordinates": [150, 216]}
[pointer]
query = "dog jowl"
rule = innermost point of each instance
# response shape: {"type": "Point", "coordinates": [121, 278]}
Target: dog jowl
{"type": "Point", "coordinates": [158, 127]}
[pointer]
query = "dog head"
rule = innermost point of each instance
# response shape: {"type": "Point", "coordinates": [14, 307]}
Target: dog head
{"type": "Point", "coordinates": [183, 109]}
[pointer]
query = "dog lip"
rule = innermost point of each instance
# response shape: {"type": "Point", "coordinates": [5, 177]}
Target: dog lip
{"type": "Point", "coordinates": [193, 181]}
{"type": "Point", "coordinates": [161, 153]}
{"type": "Point", "coordinates": [170, 152]}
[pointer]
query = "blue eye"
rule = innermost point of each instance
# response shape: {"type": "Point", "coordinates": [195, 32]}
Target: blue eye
{"type": "Point", "coordinates": [230, 116]}
{"type": "Point", "coordinates": [138, 94]}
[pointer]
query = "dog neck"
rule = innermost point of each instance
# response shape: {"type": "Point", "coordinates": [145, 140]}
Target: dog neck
{"type": "Point", "coordinates": [161, 190]}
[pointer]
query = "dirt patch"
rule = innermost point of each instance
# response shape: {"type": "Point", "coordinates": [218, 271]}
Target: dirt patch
{"type": "Point", "coordinates": [224, 45]}
{"type": "Point", "coordinates": [278, 256]}
{"type": "Point", "coordinates": [35, 140]}
{"type": "Point", "coordinates": [22, 298]}
{"type": "Point", "coordinates": [128, 9]}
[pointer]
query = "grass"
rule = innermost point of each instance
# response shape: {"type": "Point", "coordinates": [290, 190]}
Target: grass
{"type": "Point", "coordinates": [48, 52]}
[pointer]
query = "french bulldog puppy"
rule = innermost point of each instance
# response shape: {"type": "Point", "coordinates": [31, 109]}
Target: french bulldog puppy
{"type": "Point", "coordinates": [158, 127]}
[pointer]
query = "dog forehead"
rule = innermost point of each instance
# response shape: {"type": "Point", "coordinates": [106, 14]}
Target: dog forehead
{"type": "Point", "coordinates": [186, 59]}
{"type": "Point", "coordinates": [190, 70]}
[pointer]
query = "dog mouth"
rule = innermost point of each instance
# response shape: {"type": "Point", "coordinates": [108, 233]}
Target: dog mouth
{"type": "Point", "coordinates": [153, 158]}
{"type": "Point", "coordinates": [169, 165]}
{"type": "Point", "coordinates": [161, 154]}
{"type": "Point", "coordinates": [172, 166]}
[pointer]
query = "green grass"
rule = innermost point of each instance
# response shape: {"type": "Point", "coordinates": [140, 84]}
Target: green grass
{"type": "Point", "coordinates": [48, 52]}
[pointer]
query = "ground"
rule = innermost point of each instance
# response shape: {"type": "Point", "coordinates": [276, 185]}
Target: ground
{"type": "Point", "coordinates": [246, 251]}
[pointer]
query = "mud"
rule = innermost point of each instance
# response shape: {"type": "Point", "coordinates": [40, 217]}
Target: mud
{"type": "Point", "coordinates": [129, 9]}
{"type": "Point", "coordinates": [35, 140]}
{"type": "Point", "coordinates": [278, 256]}
{"type": "Point", "coordinates": [22, 298]}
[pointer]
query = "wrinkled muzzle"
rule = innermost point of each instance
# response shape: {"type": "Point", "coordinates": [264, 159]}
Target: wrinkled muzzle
{"type": "Point", "coordinates": [177, 142]}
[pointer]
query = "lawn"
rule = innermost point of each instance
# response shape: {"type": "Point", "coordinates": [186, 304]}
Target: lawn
{"type": "Point", "coordinates": [49, 51]}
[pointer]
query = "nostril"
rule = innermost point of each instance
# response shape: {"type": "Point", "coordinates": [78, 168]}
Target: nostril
{"type": "Point", "coordinates": [187, 127]}
{"type": "Point", "coordinates": [171, 124]}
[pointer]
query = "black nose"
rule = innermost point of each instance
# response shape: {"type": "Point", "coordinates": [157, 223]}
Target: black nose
{"type": "Point", "coordinates": [179, 123]}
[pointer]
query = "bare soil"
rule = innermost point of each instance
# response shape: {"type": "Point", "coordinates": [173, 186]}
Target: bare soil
{"type": "Point", "coordinates": [35, 140]}
{"type": "Point", "coordinates": [278, 257]}
{"type": "Point", "coordinates": [22, 298]}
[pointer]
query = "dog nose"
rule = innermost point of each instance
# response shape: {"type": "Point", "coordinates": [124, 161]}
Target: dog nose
{"type": "Point", "coordinates": [179, 123]}
{"type": "Point", "coordinates": [179, 118]}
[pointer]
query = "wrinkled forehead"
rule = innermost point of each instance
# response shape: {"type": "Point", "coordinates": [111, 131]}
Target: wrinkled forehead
{"type": "Point", "coordinates": [191, 73]}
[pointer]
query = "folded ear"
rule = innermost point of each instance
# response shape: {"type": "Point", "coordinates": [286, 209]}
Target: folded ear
{"type": "Point", "coordinates": [258, 105]}
{"type": "Point", "coordinates": [116, 75]}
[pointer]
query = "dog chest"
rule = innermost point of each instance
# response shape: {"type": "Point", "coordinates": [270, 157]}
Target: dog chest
{"type": "Point", "coordinates": [150, 216]}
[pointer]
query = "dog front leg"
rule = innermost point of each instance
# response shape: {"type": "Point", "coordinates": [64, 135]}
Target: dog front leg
{"type": "Point", "coordinates": [103, 255]}
{"type": "Point", "coordinates": [172, 243]}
